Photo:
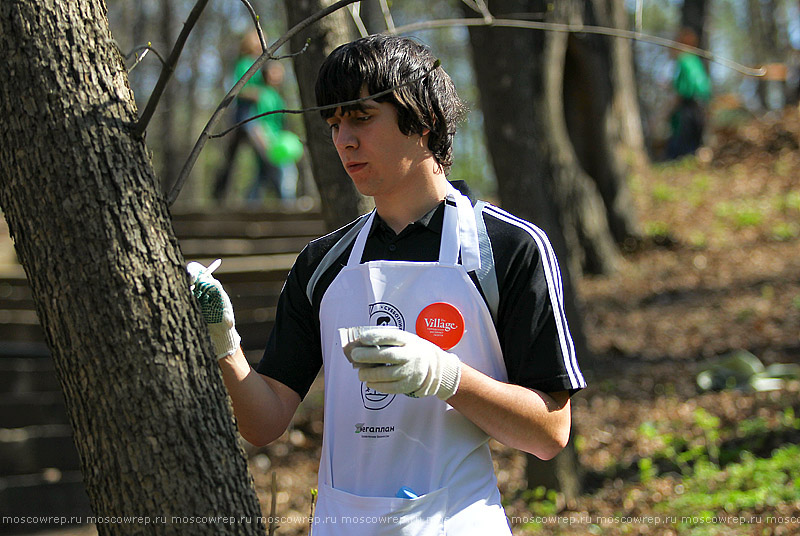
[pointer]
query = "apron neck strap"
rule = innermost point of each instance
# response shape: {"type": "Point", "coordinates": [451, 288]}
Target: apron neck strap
{"type": "Point", "coordinates": [460, 235]}
{"type": "Point", "coordinates": [358, 247]}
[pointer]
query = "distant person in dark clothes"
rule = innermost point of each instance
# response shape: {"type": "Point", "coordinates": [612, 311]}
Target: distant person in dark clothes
{"type": "Point", "coordinates": [693, 90]}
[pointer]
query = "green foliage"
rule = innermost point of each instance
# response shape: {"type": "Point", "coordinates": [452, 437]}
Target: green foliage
{"type": "Point", "coordinates": [678, 448]}
{"type": "Point", "coordinates": [790, 201]}
{"type": "Point", "coordinates": [656, 229]}
{"type": "Point", "coordinates": [682, 165]}
{"type": "Point", "coordinates": [698, 239]}
{"type": "Point", "coordinates": [719, 476]}
{"type": "Point", "coordinates": [709, 424]}
{"type": "Point", "coordinates": [647, 470]}
{"type": "Point", "coordinates": [663, 193]}
{"type": "Point", "coordinates": [750, 484]}
{"type": "Point", "coordinates": [740, 214]}
{"type": "Point", "coordinates": [541, 502]}
{"type": "Point", "coordinates": [699, 188]}
{"type": "Point", "coordinates": [785, 231]}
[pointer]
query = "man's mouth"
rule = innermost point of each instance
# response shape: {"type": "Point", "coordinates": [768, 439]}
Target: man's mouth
{"type": "Point", "coordinates": [353, 167]}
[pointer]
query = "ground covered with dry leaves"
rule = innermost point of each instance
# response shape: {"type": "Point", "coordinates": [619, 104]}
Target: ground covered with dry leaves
{"type": "Point", "coordinates": [718, 271]}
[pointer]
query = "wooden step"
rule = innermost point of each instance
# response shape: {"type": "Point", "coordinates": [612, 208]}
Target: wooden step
{"type": "Point", "coordinates": [253, 229]}
{"type": "Point", "coordinates": [236, 247]}
{"type": "Point", "coordinates": [46, 494]}
{"type": "Point", "coordinates": [243, 214]}
{"type": "Point", "coordinates": [25, 409]}
{"type": "Point", "coordinates": [32, 448]}
{"type": "Point", "coordinates": [20, 326]}
{"type": "Point", "coordinates": [27, 375]}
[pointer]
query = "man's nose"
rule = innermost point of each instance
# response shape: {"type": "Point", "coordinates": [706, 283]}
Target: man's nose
{"type": "Point", "coordinates": [346, 137]}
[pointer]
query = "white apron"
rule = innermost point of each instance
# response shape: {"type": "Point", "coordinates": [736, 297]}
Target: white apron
{"type": "Point", "coordinates": [373, 443]}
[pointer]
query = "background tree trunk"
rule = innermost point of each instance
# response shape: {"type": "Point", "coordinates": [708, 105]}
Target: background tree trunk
{"type": "Point", "coordinates": [372, 15]}
{"type": "Point", "coordinates": [341, 202]}
{"type": "Point", "coordinates": [150, 415]}
{"type": "Point", "coordinates": [172, 146]}
{"type": "Point", "coordinates": [625, 99]}
{"type": "Point", "coordinates": [764, 40]}
{"type": "Point", "coordinates": [531, 165]}
{"type": "Point", "coordinates": [590, 90]}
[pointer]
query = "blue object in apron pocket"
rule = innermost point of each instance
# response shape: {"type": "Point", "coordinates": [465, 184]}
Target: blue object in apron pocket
{"type": "Point", "coordinates": [342, 513]}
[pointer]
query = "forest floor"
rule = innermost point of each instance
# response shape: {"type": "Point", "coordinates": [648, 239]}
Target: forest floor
{"type": "Point", "coordinates": [718, 272]}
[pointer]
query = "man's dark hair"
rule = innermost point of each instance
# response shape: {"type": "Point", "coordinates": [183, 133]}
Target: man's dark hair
{"type": "Point", "coordinates": [380, 62]}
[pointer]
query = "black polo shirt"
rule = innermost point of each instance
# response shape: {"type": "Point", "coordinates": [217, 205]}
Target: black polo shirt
{"type": "Point", "coordinates": [534, 336]}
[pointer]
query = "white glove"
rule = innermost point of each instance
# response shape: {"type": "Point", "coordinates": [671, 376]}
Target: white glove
{"type": "Point", "coordinates": [217, 308]}
{"type": "Point", "coordinates": [411, 365]}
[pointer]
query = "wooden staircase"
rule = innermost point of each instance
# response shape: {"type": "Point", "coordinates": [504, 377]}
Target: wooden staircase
{"type": "Point", "coordinates": [39, 467]}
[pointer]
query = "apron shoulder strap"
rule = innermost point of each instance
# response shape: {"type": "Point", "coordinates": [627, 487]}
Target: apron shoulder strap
{"type": "Point", "coordinates": [334, 253]}
{"type": "Point", "coordinates": [487, 276]}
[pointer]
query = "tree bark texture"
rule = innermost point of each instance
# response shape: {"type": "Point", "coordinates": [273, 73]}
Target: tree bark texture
{"type": "Point", "coordinates": [150, 414]}
{"type": "Point", "coordinates": [341, 202]}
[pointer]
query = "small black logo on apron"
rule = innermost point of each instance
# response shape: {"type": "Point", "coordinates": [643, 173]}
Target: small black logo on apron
{"type": "Point", "coordinates": [386, 314]}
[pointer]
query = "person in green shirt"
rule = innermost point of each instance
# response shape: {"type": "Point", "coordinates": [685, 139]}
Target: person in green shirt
{"type": "Point", "coordinates": [693, 90]}
{"type": "Point", "coordinates": [258, 96]}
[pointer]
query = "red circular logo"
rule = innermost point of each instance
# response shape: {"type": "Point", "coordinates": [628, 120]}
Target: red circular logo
{"type": "Point", "coordinates": [441, 324]}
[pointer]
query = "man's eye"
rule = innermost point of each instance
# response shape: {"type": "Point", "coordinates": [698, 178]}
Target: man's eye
{"type": "Point", "coordinates": [333, 126]}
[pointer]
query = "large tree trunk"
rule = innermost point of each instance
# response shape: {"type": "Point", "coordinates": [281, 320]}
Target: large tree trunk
{"type": "Point", "coordinates": [150, 414]}
{"type": "Point", "coordinates": [536, 168]}
{"type": "Point", "coordinates": [591, 90]}
{"type": "Point", "coordinates": [341, 202]}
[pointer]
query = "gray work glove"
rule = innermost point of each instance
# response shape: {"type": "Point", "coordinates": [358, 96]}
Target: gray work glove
{"type": "Point", "coordinates": [217, 308]}
{"type": "Point", "coordinates": [411, 364]}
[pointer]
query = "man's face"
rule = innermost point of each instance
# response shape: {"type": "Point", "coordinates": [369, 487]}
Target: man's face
{"type": "Point", "coordinates": [379, 158]}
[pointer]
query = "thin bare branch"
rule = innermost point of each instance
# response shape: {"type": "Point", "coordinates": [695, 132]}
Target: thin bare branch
{"type": "Point", "coordinates": [638, 16]}
{"type": "Point", "coordinates": [273, 510]}
{"type": "Point", "coordinates": [314, 493]}
{"type": "Point", "coordinates": [139, 59]}
{"type": "Point", "coordinates": [472, 5]}
{"type": "Point", "coordinates": [355, 14]}
{"type": "Point", "coordinates": [169, 68]}
{"type": "Point", "coordinates": [483, 9]}
{"type": "Point", "coordinates": [570, 28]}
{"type": "Point", "coordinates": [256, 23]}
{"type": "Point", "coordinates": [345, 104]}
{"type": "Point", "coordinates": [387, 15]}
{"type": "Point", "coordinates": [147, 48]}
{"type": "Point", "coordinates": [175, 188]}
{"type": "Point", "coordinates": [294, 54]}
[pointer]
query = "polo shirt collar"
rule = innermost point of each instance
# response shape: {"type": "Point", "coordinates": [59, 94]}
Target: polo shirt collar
{"type": "Point", "coordinates": [432, 220]}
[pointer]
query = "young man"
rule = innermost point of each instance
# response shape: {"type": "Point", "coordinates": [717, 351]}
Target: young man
{"type": "Point", "coordinates": [461, 329]}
